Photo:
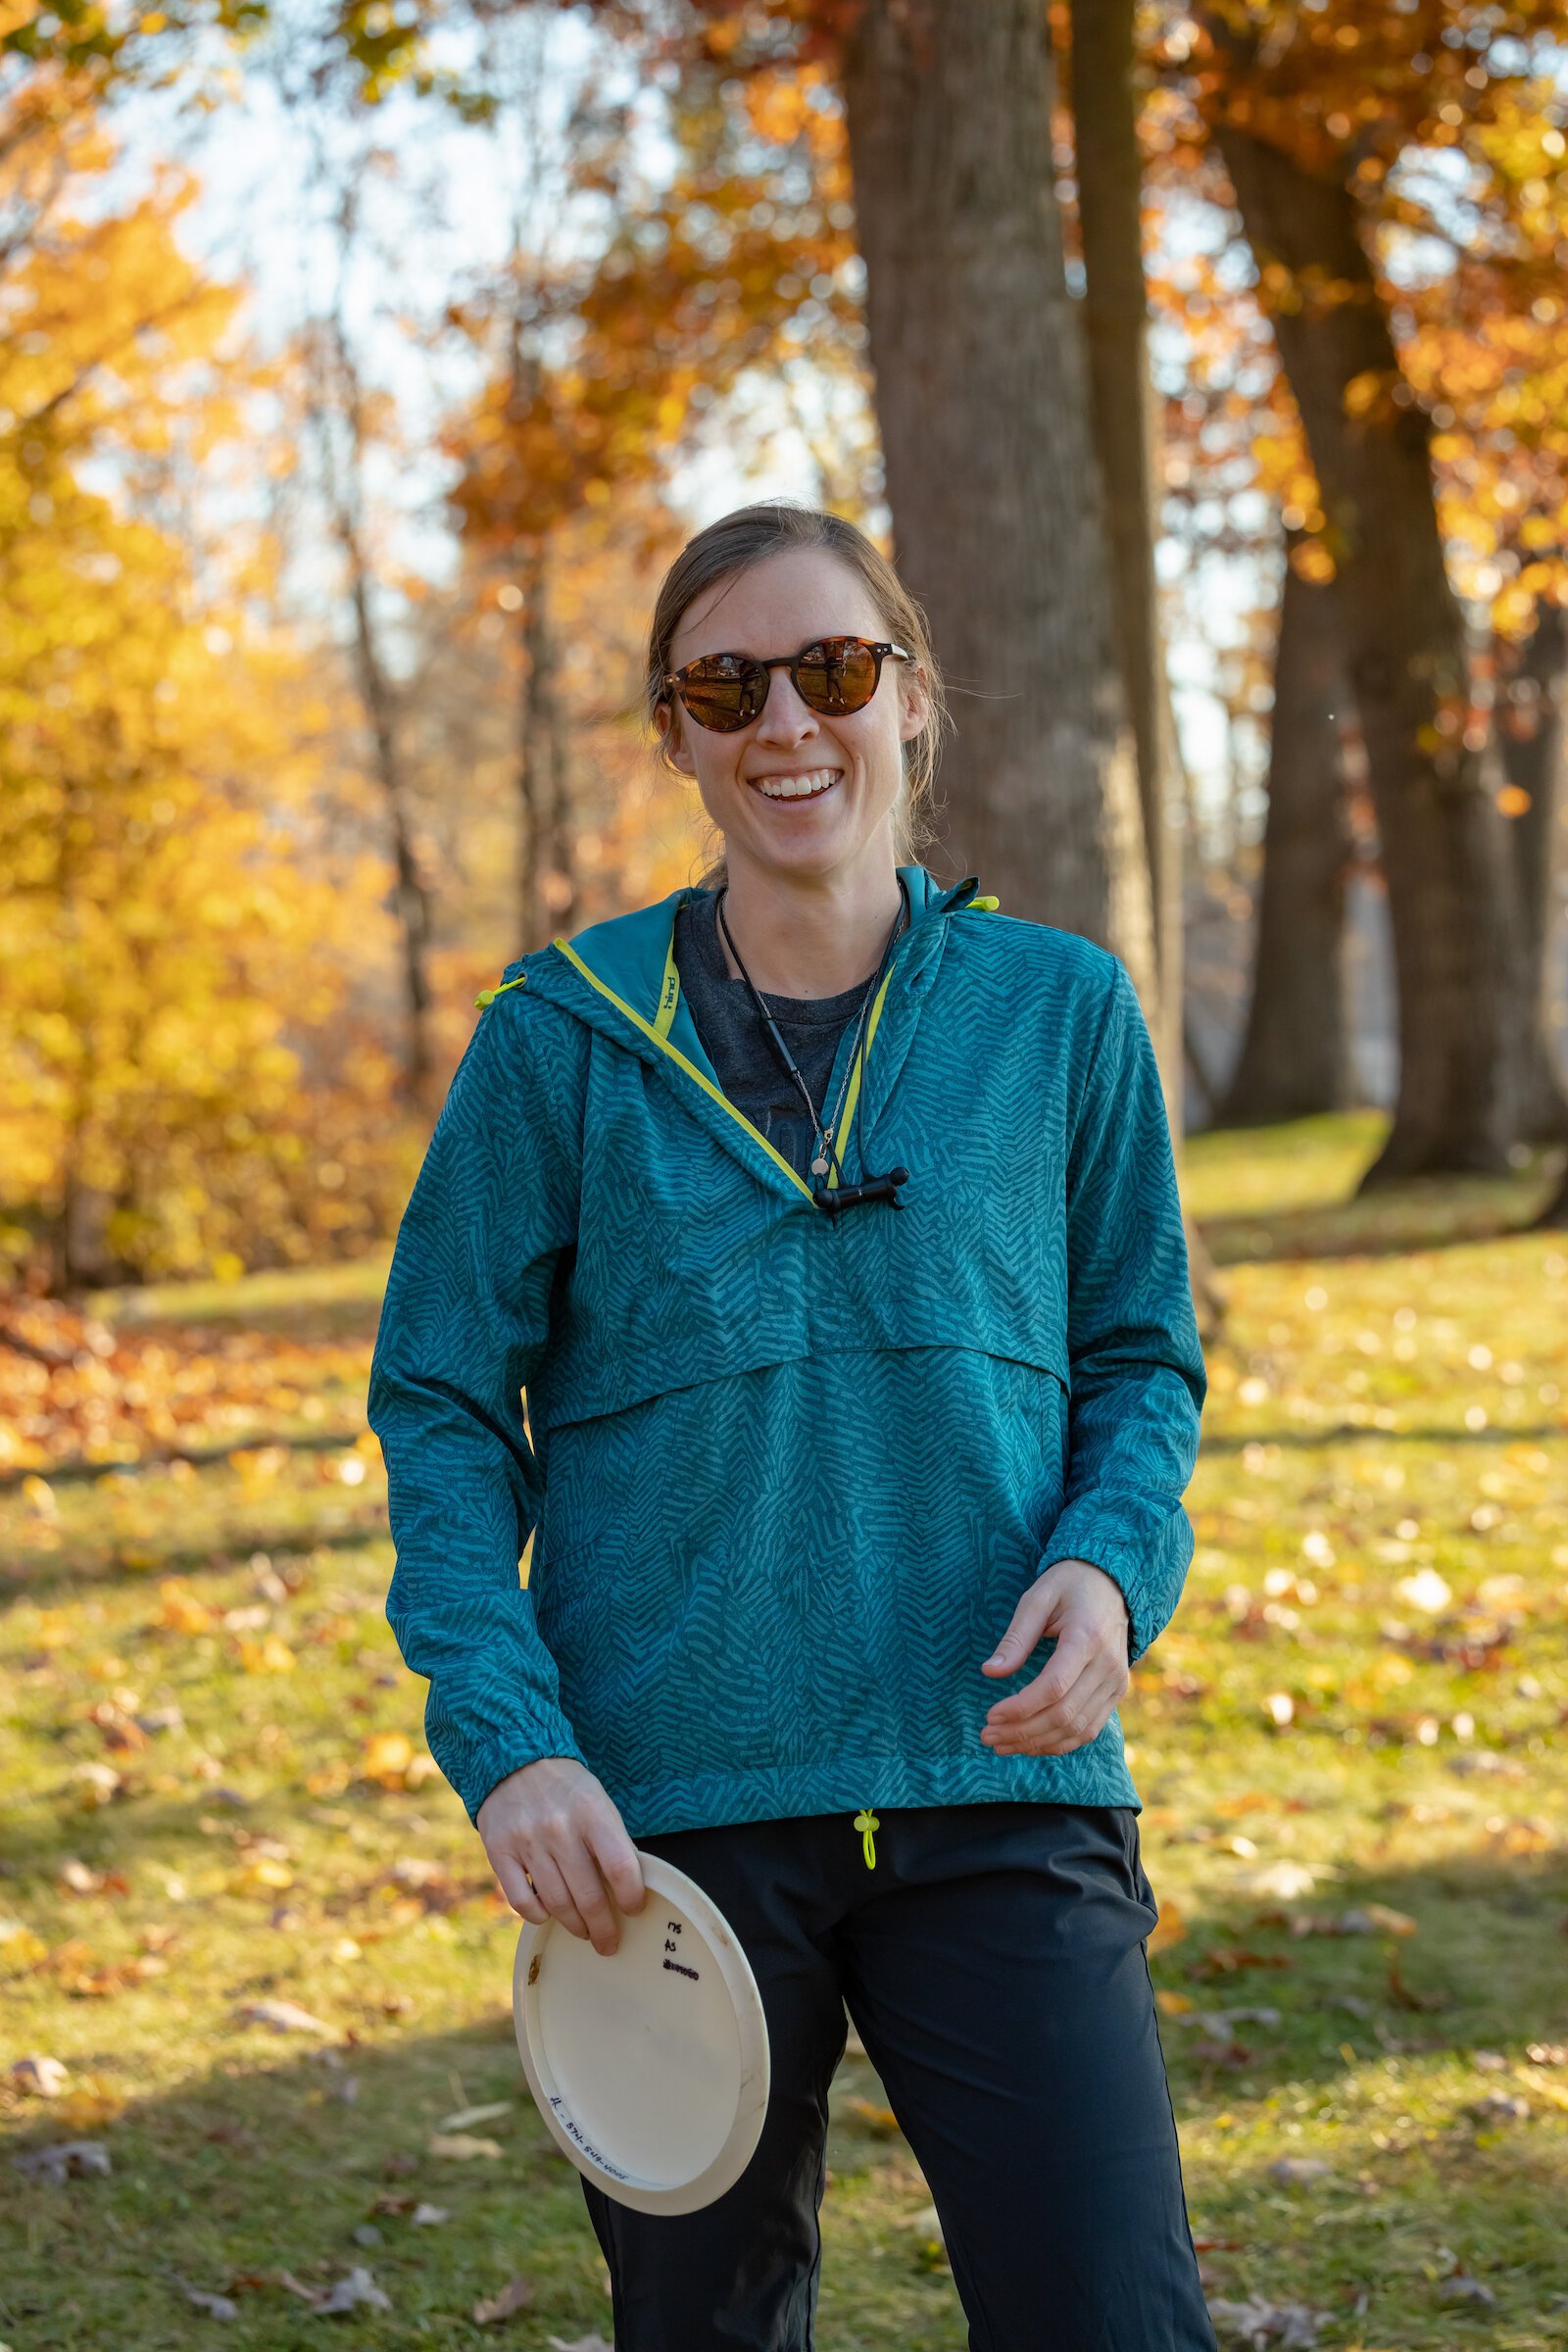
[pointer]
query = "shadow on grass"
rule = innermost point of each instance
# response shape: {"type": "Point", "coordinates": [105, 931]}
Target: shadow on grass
{"type": "Point", "coordinates": [98, 1561]}
{"type": "Point", "coordinates": [276, 2159]}
{"type": "Point", "coordinates": [1422, 1215]}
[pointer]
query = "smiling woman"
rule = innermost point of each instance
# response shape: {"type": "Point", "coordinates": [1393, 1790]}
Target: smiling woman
{"type": "Point", "coordinates": [825, 579]}
{"type": "Point", "coordinates": [829, 1221]}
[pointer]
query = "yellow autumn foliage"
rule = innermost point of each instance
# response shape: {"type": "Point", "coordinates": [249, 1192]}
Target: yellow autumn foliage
{"type": "Point", "coordinates": [178, 938]}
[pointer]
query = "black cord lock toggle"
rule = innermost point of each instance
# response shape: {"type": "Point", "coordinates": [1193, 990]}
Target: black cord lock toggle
{"type": "Point", "coordinates": [835, 1198]}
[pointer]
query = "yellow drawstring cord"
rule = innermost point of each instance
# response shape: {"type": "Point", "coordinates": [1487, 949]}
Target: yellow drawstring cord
{"type": "Point", "coordinates": [867, 1824]}
{"type": "Point", "coordinates": [487, 996]}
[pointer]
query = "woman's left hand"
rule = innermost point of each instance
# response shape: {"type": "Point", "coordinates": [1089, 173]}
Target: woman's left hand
{"type": "Point", "coordinates": [1073, 1697]}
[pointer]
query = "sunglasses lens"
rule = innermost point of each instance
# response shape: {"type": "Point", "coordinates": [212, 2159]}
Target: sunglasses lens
{"type": "Point", "coordinates": [838, 674]}
{"type": "Point", "coordinates": [722, 693]}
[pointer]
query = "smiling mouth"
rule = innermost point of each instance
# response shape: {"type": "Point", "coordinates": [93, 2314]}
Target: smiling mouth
{"type": "Point", "coordinates": [810, 786]}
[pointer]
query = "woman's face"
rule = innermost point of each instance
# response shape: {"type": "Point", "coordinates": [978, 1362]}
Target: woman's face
{"type": "Point", "coordinates": [852, 765]}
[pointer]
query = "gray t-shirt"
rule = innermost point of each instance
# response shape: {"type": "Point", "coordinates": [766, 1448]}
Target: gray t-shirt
{"type": "Point", "coordinates": [738, 1046]}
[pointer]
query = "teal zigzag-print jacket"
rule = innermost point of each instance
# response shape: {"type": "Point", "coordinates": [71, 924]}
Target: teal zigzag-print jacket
{"type": "Point", "coordinates": [786, 1474]}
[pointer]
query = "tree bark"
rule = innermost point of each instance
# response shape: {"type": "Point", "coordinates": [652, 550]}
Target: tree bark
{"type": "Point", "coordinates": [1446, 859]}
{"type": "Point", "coordinates": [547, 890]}
{"type": "Point", "coordinates": [1532, 754]}
{"type": "Point", "coordinates": [982, 402]}
{"type": "Point", "coordinates": [1295, 1057]}
{"type": "Point", "coordinates": [337, 391]}
{"type": "Point", "coordinates": [1115, 312]}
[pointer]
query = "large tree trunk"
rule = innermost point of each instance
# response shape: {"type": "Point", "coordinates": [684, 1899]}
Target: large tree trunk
{"type": "Point", "coordinates": [1115, 309]}
{"type": "Point", "coordinates": [1443, 847]}
{"type": "Point", "coordinates": [1294, 1057]}
{"type": "Point", "coordinates": [1532, 753]}
{"type": "Point", "coordinates": [983, 403]}
{"type": "Point", "coordinates": [1126, 438]}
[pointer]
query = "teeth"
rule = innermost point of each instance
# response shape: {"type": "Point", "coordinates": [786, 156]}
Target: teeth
{"type": "Point", "coordinates": [797, 788]}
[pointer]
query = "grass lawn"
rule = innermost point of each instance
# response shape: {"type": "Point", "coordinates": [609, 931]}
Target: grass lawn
{"type": "Point", "coordinates": [1350, 1748]}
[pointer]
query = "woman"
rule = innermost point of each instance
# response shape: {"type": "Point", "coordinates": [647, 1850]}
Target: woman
{"type": "Point", "coordinates": [828, 1218]}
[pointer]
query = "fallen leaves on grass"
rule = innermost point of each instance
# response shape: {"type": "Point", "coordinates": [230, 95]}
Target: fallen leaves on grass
{"type": "Point", "coordinates": [1462, 2288]}
{"type": "Point", "coordinates": [1501, 2107]}
{"type": "Point", "coordinates": [72, 1391]}
{"type": "Point", "coordinates": [514, 2296]}
{"type": "Point", "coordinates": [1296, 2172]}
{"type": "Point", "coordinates": [357, 2288]}
{"type": "Point", "coordinates": [386, 1757]}
{"type": "Point", "coordinates": [281, 2017]}
{"type": "Point", "coordinates": [391, 1761]}
{"type": "Point", "coordinates": [875, 2117]}
{"type": "Point", "coordinates": [1410, 1997]}
{"type": "Point", "coordinates": [1170, 1928]}
{"type": "Point", "coordinates": [74, 1878]}
{"type": "Point", "coordinates": [90, 2101]}
{"type": "Point", "coordinates": [460, 2147]}
{"type": "Point", "coordinates": [180, 1611]}
{"type": "Point", "coordinates": [216, 2307]}
{"type": "Point", "coordinates": [65, 2160]}
{"type": "Point", "coordinates": [271, 1655]}
{"type": "Point", "coordinates": [580, 2343]}
{"type": "Point", "coordinates": [41, 2078]}
{"type": "Point", "coordinates": [1284, 1880]}
{"type": "Point", "coordinates": [467, 2117]}
{"type": "Point", "coordinates": [1260, 2323]}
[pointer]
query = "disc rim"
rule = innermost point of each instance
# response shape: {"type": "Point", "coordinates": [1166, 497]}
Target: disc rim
{"type": "Point", "coordinates": [660, 1878]}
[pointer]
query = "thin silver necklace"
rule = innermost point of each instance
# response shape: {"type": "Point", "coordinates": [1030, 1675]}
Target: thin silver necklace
{"type": "Point", "coordinates": [825, 1158]}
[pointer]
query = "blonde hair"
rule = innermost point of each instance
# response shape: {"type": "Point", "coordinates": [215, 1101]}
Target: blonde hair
{"type": "Point", "coordinates": [736, 543]}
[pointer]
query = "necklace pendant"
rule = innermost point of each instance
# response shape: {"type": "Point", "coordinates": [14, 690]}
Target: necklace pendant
{"type": "Point", "coordinates": [819, 1167]}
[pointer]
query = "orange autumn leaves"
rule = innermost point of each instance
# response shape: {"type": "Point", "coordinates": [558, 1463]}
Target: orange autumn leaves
{"type": "Point", "coordinates": [72, 1391]}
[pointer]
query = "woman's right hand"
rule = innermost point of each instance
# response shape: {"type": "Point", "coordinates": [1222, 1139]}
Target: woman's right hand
{"type": "Point", "coordinates": [560, 1849]}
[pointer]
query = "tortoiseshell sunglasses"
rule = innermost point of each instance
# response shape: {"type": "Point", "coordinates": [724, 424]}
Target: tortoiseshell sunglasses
{"type": "Point", "coordinates": [832, 675]}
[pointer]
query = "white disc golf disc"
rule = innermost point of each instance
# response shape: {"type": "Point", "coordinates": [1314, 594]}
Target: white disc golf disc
{"type": "Point", "coordinates": [649, 2063]}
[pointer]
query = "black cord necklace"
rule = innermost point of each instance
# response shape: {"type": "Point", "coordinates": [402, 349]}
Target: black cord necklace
{"type": "Point", "coordinates": [838, 1195]}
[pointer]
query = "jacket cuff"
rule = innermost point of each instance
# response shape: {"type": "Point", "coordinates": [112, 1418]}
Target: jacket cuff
{"type": "Point", "coordinates": [476, 1765]}
{"type": "Point", "coordinates": [1088, 1530]}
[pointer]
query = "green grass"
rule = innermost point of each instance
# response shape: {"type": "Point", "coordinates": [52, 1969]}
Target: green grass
{"type": "Point", "coordinates": [1380, 1420]}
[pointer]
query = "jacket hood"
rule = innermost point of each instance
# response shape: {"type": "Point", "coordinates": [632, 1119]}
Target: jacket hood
{"type": "Point", "coordinates": [621, 979]}
{"type": "Point", "coordinates": [629, 953]}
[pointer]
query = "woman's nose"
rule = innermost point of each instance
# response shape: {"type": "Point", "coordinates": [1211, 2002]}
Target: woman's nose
{"type": "Point", "coordinates": [785, 718]}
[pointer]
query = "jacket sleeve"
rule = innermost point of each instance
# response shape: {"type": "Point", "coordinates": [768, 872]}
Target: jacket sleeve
{"type": "Point", "coordinates": [463, 1329]}
{"type": "Point", "coordinates": [1135, 1366]}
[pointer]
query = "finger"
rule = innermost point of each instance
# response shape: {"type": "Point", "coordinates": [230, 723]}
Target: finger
{"type": "Point", "coordinates": [588, 1892]}
{"type": "Point", "coordinates": [1099, 1684]}
{"type": "Point", "coordinates": [1023, 1633]}
{"type": "Point", "coordinates": [1072, 1723]}
{"type": "Point", "coordinates": [557, 1899]}
{"type": "Point", "coordinates": [1074, 1654]}
{"type": "Point", "coordinates": [512, 1881]}
{"type": "Point", "coordinates": [619, 1863]}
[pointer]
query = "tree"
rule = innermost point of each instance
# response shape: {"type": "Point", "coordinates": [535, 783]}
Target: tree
{"type": "Point", "coordinates": [982, 398]}
{"type": "Point", "coordinates": [174, 973]}
{"type": "Point", "coordinates": [1435, 793]}
{"type": "Point", "coordinates": [1108, 161]}
{"type": "Point", "coordinates": [1532, 738]}
{"type": "Point", "coordinates": [1309, 126]}
{"type": "Point", "coordinates": [1294, 1053]}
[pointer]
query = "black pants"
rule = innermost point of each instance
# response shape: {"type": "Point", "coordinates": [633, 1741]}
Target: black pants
{"type": "Point", "coordinates": [993, 1964]}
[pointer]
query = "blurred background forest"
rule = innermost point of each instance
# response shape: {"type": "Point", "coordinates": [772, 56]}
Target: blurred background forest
{"type": "Point", "coordinates": [361, 366]}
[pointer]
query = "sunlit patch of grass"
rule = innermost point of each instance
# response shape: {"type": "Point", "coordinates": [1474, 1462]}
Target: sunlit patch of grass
{"type": "Point", "coordinates": [1290, 1192]}
{"type": "Point", "coordinates": [1349, 1746]}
